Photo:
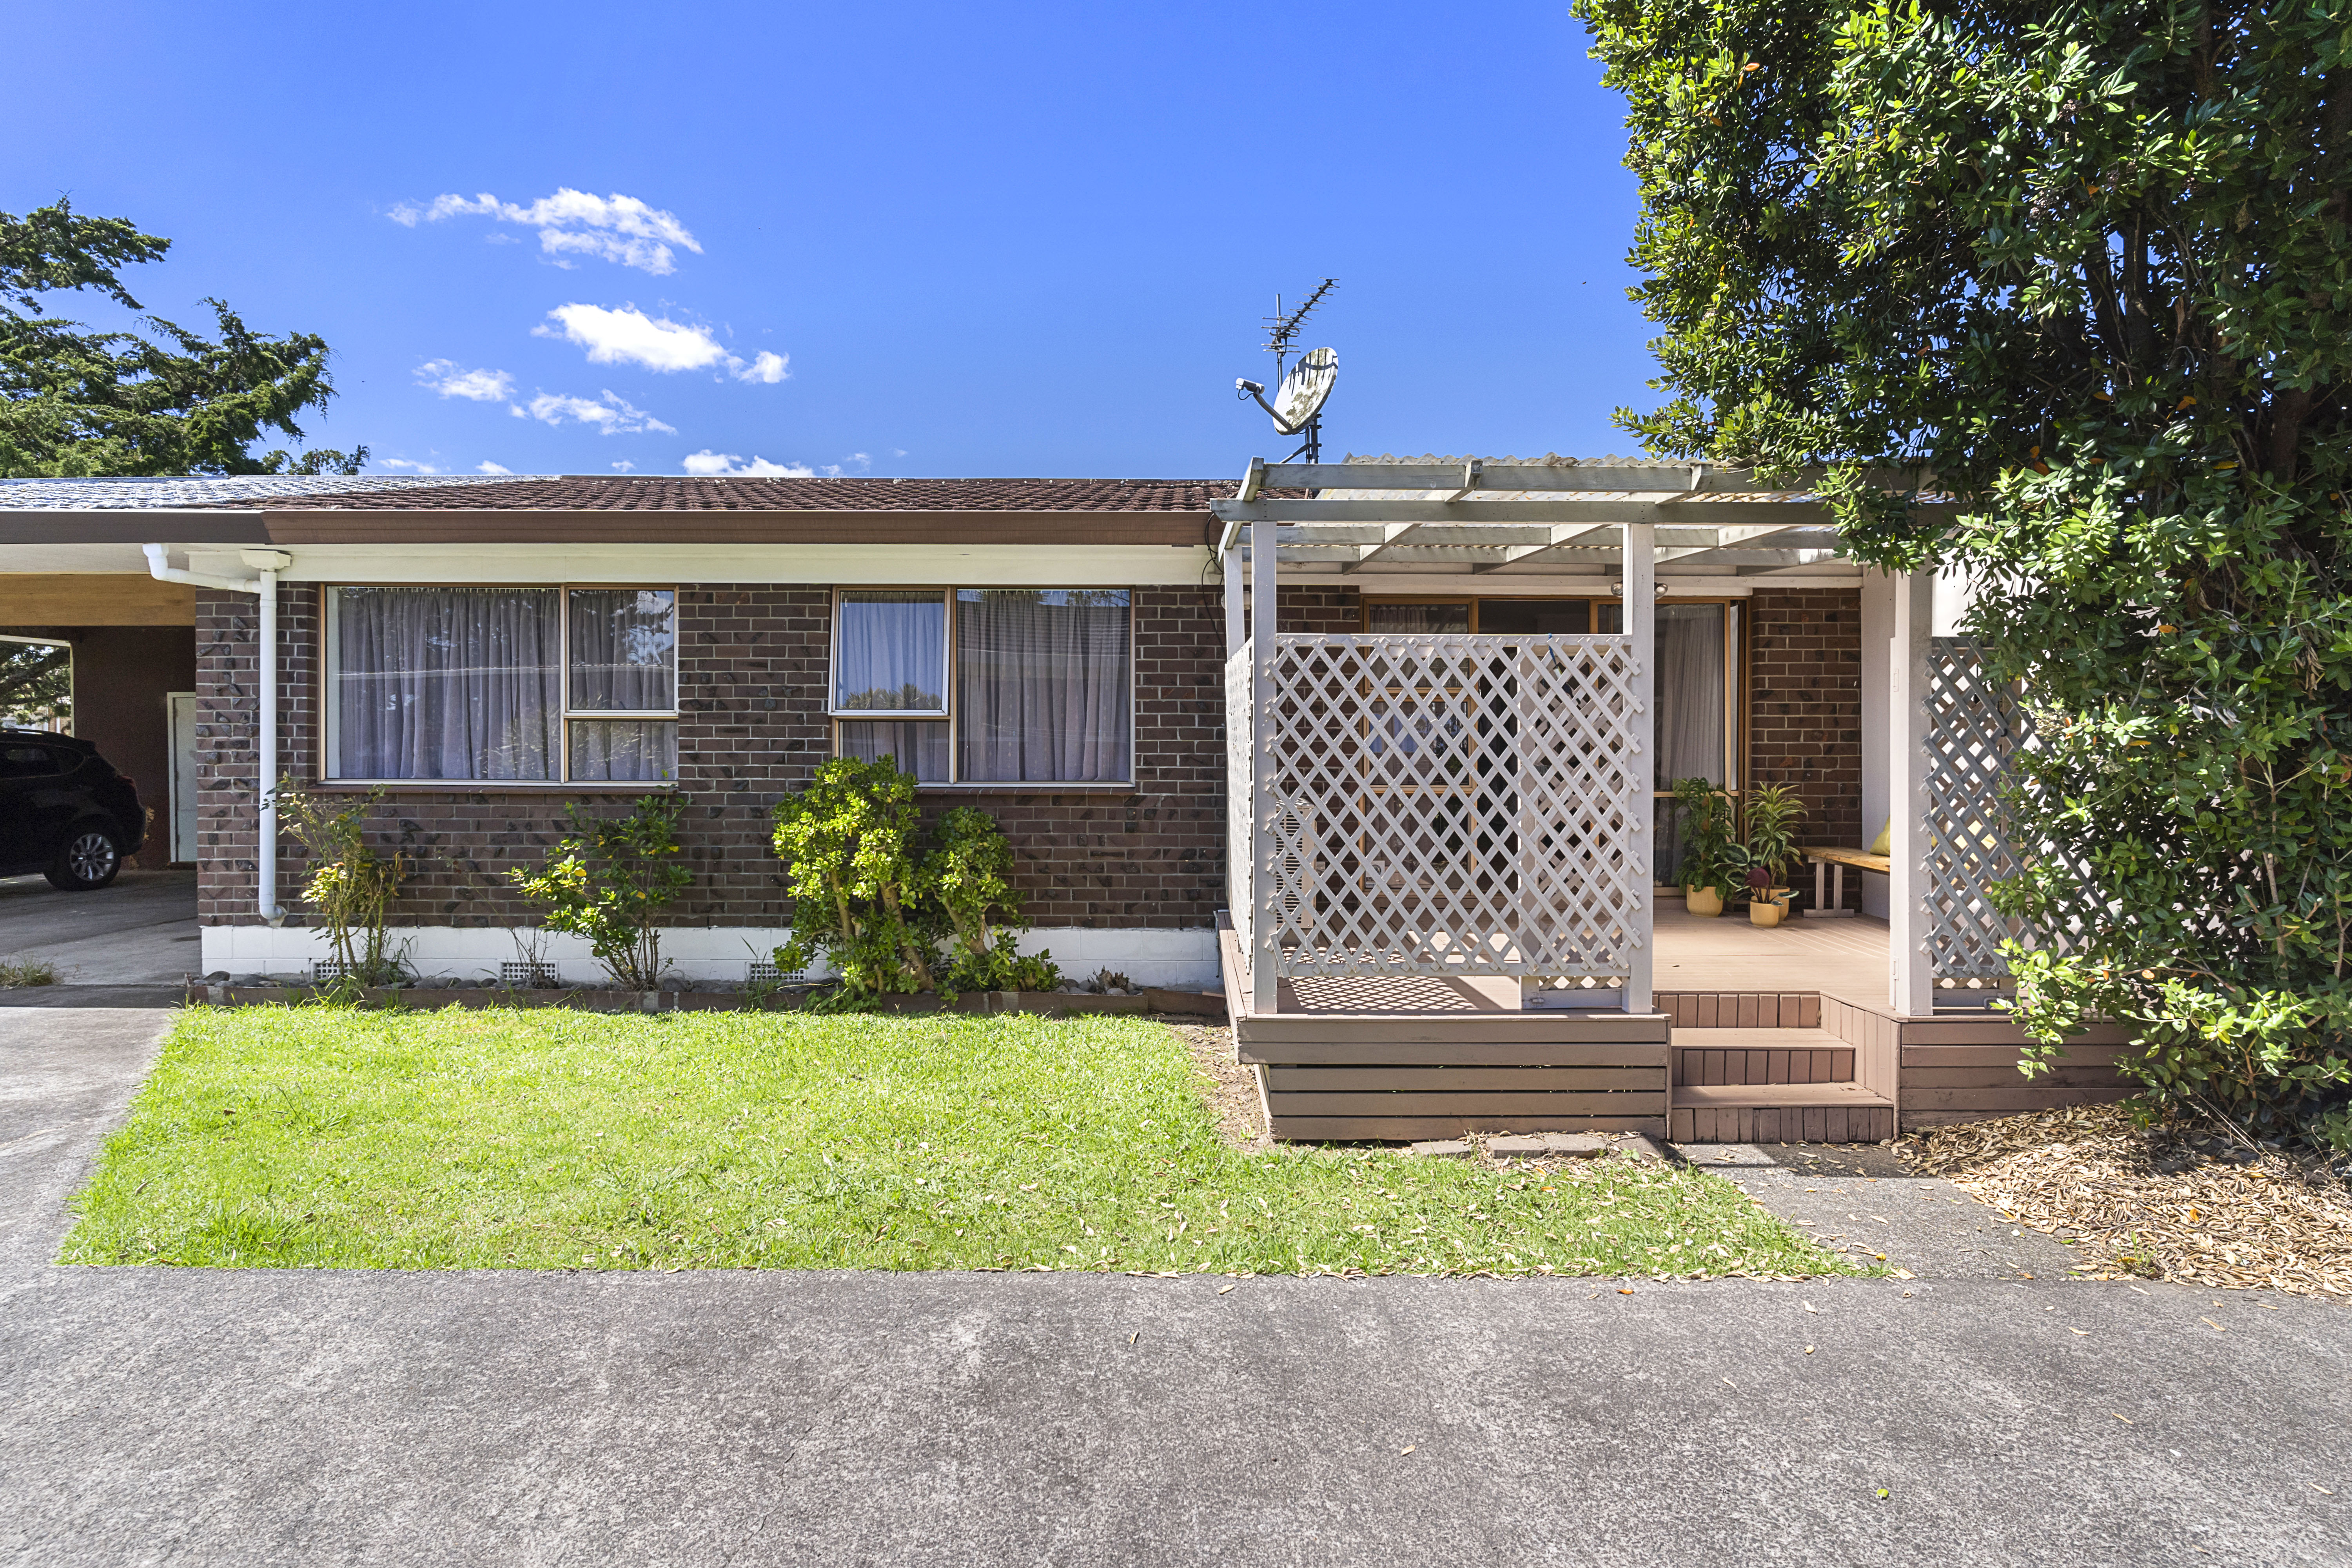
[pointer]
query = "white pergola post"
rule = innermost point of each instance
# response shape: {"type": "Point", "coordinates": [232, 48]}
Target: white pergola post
{"type": "Point", "coordinates": [1236, 626]}
{"type": "Point", "coordinates": [1911, 966]}
{"type": "Point", "coordinates": [1642, 627]}
{"type": "Point", "coordinates": [1266, 937]}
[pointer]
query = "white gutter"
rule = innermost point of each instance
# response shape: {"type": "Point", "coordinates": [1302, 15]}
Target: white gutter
{"type": "Point", "coordinates": [269, 562]}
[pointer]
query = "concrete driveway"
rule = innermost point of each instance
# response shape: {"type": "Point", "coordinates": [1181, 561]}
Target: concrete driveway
{"type": "Point", "coordinates": [140, 931]}
{"type": "Point", "coordinates": [195, 1417]}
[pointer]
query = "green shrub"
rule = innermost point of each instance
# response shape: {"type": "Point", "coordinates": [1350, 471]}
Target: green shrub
{"type": "Point", "coordinates": [877, 904]}
{"type": "Point", "coordinates": [848, 844]}
{"type": "Point", "coordinates": [608, 879]}
{"type": "Point", "coordinates": [351, 886]}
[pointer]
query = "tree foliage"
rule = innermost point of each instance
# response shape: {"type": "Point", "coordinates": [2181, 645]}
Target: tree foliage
{"type": "Point", "coordinates": [77, 403]}
{"type": "Point", "coordinates": [2084, 269]}
{"type": "Point", "coordinates": [35, 682]}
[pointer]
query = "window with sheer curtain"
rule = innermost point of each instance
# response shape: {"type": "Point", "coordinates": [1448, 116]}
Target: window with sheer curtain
{"type": "Point", "coordinates": [987, 684]}
{"type": "Point", "coordinates": [502, 684]}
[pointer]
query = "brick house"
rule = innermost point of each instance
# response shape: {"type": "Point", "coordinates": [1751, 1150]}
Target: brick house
{"type": "Point", "coordinates": [745, 590]}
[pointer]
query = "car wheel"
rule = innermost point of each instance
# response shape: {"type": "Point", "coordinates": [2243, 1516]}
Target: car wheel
{"type": "Point", "coordinates": [89, 860]}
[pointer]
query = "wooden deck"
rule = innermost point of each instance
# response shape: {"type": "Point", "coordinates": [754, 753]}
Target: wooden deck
{"type": "Point", "coordinates": [1760, 1036]}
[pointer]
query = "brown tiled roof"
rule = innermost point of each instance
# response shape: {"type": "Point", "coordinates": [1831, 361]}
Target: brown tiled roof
{"type": "Point", "coordinates": [657, 493]}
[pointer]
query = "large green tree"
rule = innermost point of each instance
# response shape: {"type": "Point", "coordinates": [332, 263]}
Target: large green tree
{"type": "Point", "coordinates": [75, 402]}
{"type": "Point", "coordinates": [2085, 268]}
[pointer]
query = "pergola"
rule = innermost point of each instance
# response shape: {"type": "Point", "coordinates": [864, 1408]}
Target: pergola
{"type": "Point", "coordinates": [1470, 804]}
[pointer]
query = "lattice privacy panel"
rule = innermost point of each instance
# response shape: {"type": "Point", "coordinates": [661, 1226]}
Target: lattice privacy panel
{"type": "Point", "coordinates": [1240, 764]}
{"type": "Point", "coordinates": [1973, 727]}
{"type": "Point", "coordinates": [1457, 805]}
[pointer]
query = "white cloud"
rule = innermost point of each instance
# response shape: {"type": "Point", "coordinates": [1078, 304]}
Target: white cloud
{"type": "Point", "coordinates": [613, 415]}
{"type": "Point", "coordinates": [857, 463]}
{"type": "Point", "coordinates": [485, 466]}
{"type": "Point", "coordinates": [764, 367]}
{"type": "Point", "coordinates": [625, 466]}
{"type": "Point", "coordinates": [481, 386]}
{"type": "Point", "coordinates": [729, 465]}
{"type": "Point", "coordinates": [404, 463]}
{"type": "Point", "coordinates": [629, 336]}
{"type": "Point", "coordinates": [573, 223]}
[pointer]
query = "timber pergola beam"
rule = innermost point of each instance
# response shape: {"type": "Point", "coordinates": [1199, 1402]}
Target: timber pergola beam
{"type": "Point", "coordinates": [1497, 516]}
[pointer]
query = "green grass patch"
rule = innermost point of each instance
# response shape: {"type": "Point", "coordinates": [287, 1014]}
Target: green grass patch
{"type": "Point", "coordinates": [547, 1139]}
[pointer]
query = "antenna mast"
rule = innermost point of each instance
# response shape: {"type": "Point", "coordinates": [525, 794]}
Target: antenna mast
{"type": "Point", "coordinates": [1282, 335]}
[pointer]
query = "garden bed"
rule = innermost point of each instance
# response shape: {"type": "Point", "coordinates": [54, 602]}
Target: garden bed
{"type": "Point", "coordinates": [2168, 1202]}
{"type": "Point", "coordinates": [1046, 1003]}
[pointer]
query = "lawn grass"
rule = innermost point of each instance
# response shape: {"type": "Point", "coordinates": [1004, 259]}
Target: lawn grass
{"type": "Point", "coordinates": [548, 1139]}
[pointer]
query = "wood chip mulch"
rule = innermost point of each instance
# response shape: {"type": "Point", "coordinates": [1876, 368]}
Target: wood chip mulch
{"type": "Point", "coordinates": [2168, 1202]}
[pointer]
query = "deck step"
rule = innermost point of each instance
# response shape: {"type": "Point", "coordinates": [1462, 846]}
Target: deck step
{"type": "Point", "coordinates": [1754, 1058]}
{"type": "Point", "coordinates": [1719, 1095]}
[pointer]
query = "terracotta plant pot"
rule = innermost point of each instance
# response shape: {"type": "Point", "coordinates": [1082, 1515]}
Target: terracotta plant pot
{"type": "Point", "coordinates": [1703, 901]}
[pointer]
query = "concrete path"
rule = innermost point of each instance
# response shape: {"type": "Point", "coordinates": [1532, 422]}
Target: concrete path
{"type": "Point", "coordinates": [140, 931]}
{"type": "Point", "coordinates": [252, 1417]}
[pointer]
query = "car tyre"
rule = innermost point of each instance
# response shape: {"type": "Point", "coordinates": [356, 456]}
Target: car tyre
{"type": "Point", "coordinates": [89, 860]}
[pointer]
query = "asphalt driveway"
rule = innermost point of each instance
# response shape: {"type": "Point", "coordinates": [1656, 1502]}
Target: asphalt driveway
{"type": "Point", "coordinates": [193, 1417]}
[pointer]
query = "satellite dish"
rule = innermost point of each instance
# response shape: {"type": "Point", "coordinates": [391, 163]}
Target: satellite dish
{"type": "Point", "coordinates": [1301, 395]}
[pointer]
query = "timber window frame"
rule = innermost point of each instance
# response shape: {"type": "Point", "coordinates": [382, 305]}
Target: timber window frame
{"type": "Point", "coordinates": [950, 772]}
{"type": "Point", "coordinates": [573, 712]}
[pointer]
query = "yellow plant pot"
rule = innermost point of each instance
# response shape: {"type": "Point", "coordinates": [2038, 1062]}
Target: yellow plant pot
{"type": "Point", "coordinates": [1703, 901]}
{"type": "Point", "coordinates": [1764, 914]}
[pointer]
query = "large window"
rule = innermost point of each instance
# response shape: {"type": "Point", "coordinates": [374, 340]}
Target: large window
{"type": "Point", "coordinates": [987, 684]}
{"type": "Point", "coordinates": [508, 684]}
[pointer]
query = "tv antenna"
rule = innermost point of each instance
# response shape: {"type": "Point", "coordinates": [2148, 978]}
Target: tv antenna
{"type": "Point", "coordinates": [1300, 393]}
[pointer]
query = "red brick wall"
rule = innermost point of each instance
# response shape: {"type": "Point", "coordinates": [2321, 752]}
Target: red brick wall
{"type": "Point", "coordinates": [1804, 708]}
{"type": "Point", "coordinates": [752, 672]}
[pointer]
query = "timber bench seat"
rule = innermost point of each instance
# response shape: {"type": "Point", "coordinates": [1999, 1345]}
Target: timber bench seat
{"type": "Point", "coordinates": [1826, 857]}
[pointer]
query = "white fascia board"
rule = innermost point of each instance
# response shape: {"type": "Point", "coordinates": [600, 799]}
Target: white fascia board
{"type": "Point", "coordinates": [979, 565]}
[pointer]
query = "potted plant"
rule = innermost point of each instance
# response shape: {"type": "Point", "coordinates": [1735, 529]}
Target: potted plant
{"type": "Point", "coordinates": [1773, 812]}
{"type": "Point", "coordinates": [1712, 858]}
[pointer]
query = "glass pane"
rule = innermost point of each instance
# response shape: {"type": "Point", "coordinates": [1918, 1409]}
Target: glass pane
{"type": "Point", "coordinates": [624, 649]}
{"type": "Point", "coordinates": [891, 653]}
{"type": "Point", "coordinates": [624, 749]}
{"type": "Point", "coordinates": [445, 683]}
{"type": "Point", "coordinates": [1536, 617]}
{"type": "Point", "coordinates": [1612, 618]}
{"type": "Point", "coordinates": [1042, 684]}
{"type": "Point", "coordinates": [1689, 730]}
{"type": "Point", "coordinates": [919, 747]}
{"type": "Point", "coordinates": [1417, 617]}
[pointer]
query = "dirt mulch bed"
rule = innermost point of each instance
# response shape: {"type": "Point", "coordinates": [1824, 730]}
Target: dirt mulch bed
{"type": "Point", "coordinates": [2168, 1202]}
{"type": "Point", "coordinates": [1233, 1093]}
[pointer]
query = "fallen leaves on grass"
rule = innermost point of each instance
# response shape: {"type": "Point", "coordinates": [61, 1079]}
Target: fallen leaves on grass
{"type": "Point", "coordinates": [2148, 1203]}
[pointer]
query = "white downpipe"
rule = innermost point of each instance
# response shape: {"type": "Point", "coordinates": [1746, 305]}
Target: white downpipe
{"type": "Point", "coordinates": [264, 588]}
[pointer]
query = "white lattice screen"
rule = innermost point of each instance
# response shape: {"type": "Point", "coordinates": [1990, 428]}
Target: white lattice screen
{"type": "Point", "coordinates": [1454, 805]}
{"type": "Point", "coordinates": [1973, 726]}
{"type": "Point", "coordinates": [1240, 760]}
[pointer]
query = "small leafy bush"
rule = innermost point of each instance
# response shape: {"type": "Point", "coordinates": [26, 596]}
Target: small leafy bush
{"type": "Point", "coordinates": [848, 844]}
{"type": "Point", "coordinates": [877, 904]}
{"type": "Point", "coordinates": [351, 886]}
{"type": "Point", "coordinates": [609, 880]}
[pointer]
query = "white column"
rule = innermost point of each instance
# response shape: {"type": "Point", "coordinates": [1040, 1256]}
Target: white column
{"type": "Point", "coordinates": [1911, 979]}
{"type": "Point", "coordinates": [1642, 627]}
{"type": "Point", "coordinates": [1265, 937]}
{"type": "Point", "coordinates": [1236, 627]}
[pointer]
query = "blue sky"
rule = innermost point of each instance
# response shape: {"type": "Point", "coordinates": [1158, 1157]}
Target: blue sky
{"type": "Point", "coordinates": [1016, 239]}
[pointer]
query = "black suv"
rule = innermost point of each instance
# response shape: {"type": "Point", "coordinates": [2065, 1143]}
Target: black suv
{"type": "Point", "coordinates": [64, 811]}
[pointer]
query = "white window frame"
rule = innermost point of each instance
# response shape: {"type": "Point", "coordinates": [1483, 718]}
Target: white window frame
{"type": "Point", "coordinates": [331, 702]}
{"type": "Point", "coordinates": [950, 717]}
